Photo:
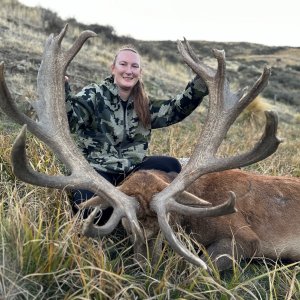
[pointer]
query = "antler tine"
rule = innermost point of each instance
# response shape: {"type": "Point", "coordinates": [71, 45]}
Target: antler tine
{"type": "Point", "coordinates": [190, 58]}
{"type": "Point", "coordinates": [267, 145]}
{"type": "Point", "coordinates": [8, 104]}
{"type": "Point", "coordinates": [259, 85]}
{"type": "Point", "coordinates": [224, 108]}
{"type": "Point", "coordinates": [175, 244]}
{"type": "Point", "coordinates": [53, 129]}
{"type": "Point", "coordinates": [191, 51]}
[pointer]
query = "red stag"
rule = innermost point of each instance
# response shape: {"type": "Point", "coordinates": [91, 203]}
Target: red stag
{"type": "Point", "coordinates": [258, 208]}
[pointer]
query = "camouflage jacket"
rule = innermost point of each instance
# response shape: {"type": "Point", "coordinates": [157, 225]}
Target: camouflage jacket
{"type": "Point", "coordinates": [111, 138]}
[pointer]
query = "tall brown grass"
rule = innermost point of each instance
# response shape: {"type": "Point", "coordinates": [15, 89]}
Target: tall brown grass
{"type": "Point", "coordinates": [44, 257]}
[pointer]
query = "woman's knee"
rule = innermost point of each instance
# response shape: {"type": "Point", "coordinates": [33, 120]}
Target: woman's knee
{"type": "Point", "coordinates": [162, 163]}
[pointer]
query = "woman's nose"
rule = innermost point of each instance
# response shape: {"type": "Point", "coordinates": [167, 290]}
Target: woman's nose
{"type": "Point", "coordinates": [128, 70]}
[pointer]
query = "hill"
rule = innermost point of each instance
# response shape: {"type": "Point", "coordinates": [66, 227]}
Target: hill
{"type": "Point", "coordinates": [23, 31]}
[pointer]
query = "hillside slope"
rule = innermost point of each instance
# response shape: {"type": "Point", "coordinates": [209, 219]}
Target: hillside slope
{"type": "Point", "coordinates": [23, 31]}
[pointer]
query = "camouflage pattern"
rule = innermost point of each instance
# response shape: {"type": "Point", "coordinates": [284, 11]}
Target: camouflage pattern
{"type": "Point", "coordinates": [111, 138]}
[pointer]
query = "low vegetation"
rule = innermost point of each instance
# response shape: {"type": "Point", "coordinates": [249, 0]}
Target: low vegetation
{"type": "Point", "coordinates": [43, 256]}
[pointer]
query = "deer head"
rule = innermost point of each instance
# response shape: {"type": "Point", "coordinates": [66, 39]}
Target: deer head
{"type": "Point", "coordinates": [53, 129]}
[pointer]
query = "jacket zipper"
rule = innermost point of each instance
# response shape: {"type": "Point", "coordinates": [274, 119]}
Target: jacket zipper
{"type": "Point", "coordinates": [124, 128]}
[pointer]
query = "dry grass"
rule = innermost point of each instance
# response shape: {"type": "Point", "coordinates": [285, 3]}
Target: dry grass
{"type": "Point", "coordinates": [282, 58]}
{"type": "Point", "coordinates": [43, 257]}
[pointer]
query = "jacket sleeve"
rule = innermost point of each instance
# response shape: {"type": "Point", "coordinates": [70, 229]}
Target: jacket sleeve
{"type": "Point", "coordinates": [80, 107]}
{"type": "Point", "coordinates": [168, 112]}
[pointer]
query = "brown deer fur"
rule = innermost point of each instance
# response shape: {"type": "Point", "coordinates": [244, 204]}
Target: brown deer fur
{"type": "Point", "coordinates": [266, 223]}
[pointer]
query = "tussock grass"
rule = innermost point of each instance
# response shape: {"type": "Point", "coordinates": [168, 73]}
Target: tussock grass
{"type": "Point", "coordinates": [43, 256]}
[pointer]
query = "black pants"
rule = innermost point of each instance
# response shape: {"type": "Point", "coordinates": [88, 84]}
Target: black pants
{"type": "Point", "coordinates": [162, 163]}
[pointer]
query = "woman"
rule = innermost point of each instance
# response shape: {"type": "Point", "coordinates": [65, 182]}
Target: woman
{"type": "Point", "coordinates": [113, 120]}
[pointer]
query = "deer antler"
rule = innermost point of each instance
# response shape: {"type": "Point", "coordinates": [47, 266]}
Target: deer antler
{"type": "Point", "coordinates": [224, 108]}
{"type": "Point", "coordinates": [53, 129]}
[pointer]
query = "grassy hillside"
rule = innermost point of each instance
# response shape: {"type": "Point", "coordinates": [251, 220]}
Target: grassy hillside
{"type": "Point", "coordinates": [41, 254]}
{"type": "Point", "coordinates": [23, 31]}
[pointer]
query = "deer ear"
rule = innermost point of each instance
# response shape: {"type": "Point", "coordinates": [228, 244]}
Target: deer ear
{"type": "Point", "coordinates": [185, 198]}
{"type": "Point", "coordinates": [190, 199]}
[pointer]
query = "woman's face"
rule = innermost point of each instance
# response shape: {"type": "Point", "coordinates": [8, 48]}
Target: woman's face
{"type": "Point", "coordinates": [126, 69]}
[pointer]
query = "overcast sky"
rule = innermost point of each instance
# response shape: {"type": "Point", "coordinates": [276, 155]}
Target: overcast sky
{"type": "Point", "coordinates": [268, 22]}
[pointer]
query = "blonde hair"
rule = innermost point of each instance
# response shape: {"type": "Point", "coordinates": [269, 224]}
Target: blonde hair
{"type": "Point", "coordinates": [140, 97]}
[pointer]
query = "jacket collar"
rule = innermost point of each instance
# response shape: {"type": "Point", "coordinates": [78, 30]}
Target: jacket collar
{"type": "Point", "coordinates": [109, 83]}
